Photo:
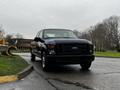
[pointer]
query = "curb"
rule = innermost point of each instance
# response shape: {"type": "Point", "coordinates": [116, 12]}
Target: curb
{"type": "Point", "coordinates": [18, 76]}
{"type": "Point", "coordinates": [25, 72]}
{"type": "Point", "coordinates": [6, 79]}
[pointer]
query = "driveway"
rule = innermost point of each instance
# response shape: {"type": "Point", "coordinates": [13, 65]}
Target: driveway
{"type": "Point", "coordinates": [103, 75]}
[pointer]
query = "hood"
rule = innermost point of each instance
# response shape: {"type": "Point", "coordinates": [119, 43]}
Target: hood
{"type": "Point", "coordinates": [67, 41]}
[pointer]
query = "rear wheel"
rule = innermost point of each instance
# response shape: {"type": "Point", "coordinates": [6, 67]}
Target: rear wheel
{"type": "Point", "coordinates": [45, 63]}
{"type": "Point", "coordinates": [32, 57]}
{"type": "Point", "coordinates": [85, 65]}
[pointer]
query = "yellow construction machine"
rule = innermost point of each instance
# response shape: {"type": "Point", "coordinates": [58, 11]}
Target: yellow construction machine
{"type": "Point", "coordinates": [6, 48]}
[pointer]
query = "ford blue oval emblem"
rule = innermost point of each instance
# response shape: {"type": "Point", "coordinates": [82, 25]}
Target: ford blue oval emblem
{"type": "Point", "coordinates": [74, 48]}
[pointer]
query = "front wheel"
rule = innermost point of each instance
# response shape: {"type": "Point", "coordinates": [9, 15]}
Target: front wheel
{"type": "Point", "coordinates": [85, 65]}
{"type": "Point", "coordinates": [44, 62]}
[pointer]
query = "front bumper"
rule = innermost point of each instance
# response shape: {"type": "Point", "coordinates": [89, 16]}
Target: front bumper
{"type": "Point", "coordinates": [70, 59]}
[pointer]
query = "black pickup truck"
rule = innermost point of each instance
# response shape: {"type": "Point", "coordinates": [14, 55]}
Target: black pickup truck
{"type": "Point", "coordinates": [61, 46]}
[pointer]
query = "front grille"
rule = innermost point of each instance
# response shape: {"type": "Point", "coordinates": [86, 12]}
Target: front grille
{"type": "Point", "coordinates": [72, 49]}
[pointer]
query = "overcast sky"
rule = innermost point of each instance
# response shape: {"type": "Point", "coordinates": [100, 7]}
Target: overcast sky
{"type": "Point", "coordinates": [29, 16]}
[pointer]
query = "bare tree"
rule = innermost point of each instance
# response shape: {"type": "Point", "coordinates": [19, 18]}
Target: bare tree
{"type": "Point", "coordinates": [104, 35]}
{"type": "Point", "coordinates": [112, 24]}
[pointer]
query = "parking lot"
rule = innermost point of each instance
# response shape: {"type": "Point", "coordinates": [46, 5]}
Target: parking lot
{"type": "Point", "coordinates": [103, 75]}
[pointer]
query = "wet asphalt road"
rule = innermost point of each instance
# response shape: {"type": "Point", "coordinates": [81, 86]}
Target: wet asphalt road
{"type": "Point", "coordinates": [104, 74]}
{"type": "Point", "coordinates": [32, 82]}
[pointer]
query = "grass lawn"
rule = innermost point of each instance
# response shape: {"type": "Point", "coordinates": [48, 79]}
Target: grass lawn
{"type": "Point", "coordinates": [108, 54]}
{"type": "Point", "coordinates": [10, 65]}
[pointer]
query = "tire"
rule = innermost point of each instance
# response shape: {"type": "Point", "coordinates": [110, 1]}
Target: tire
{"type": "Point", "coordinates": [32, 57]}
{"type": "Point", "coordinates": [85, 65]}
{"type": "Point", "coordinates": [10, 49]}
{"type": "Point", "coordinates": [44, 63]}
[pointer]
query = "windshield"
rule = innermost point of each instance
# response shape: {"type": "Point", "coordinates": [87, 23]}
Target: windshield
{"type": "Point", "coordinates": [54, 33]}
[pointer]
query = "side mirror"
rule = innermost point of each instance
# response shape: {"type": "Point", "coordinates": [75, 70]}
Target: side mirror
{"type": "Point", "coordinates": [38, 39]}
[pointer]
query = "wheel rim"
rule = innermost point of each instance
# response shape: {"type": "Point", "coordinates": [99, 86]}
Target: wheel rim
{"type": "Point", "coordinates": [43, 62]}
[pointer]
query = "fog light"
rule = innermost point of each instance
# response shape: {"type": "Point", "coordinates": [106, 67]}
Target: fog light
{"type": "Point", "coordinates": [51, 52]}
{"type": "Point", "coordinates": [91, 51]}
